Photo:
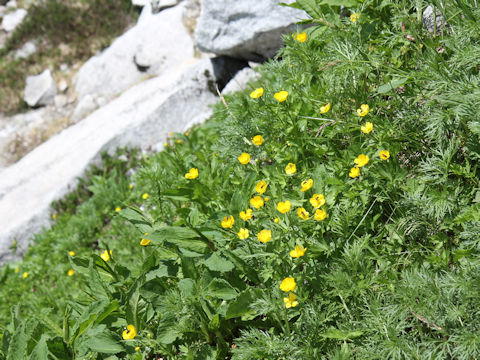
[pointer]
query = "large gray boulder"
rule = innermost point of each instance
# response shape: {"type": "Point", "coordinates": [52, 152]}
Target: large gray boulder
{"type": "Point", "coordinates": [157, 42]}
{"type": "Point", "coordinates": [433, 19]}
{"type": "Point", "coordinates": [247, 29]}
{"type": "Point", "coordinates": [142, 116]}
{"type": "Point", "coordinates": [12, 20]}
{"type": "Point", "coordinates": [40, 89]}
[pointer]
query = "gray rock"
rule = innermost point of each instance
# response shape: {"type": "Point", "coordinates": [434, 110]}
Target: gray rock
{"type": "Point", "coordinates": [157, 42]}
{"type": "Point", "coordinates": [60, 101]}
{"type": "Point", "coordinates": [12, 20]}
{"type": "Point", "coordinates": [428, 19]}
{"type": "Point", "coordinates": [12, 4]}
{"type": "Point", "coordinates": [3, 10]}
{"type": "Point", "coordinates": [84, 107]}
{"type": "Point", "coordinates": [240, 81]}
{"type": "Point", "coordinates": [142, 117]}
{"type": "Point", "coordinates": [29, 48]}
{"type": "Point", "coordinates": [40, 89]}
{"type": "Point", "coordinates": [62, 85]}
{"type": "Point", "coordinates": [247, 29]}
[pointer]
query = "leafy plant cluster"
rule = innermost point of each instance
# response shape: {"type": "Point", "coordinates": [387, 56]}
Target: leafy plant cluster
{"type": "Point", "coordinates": [296, 223]}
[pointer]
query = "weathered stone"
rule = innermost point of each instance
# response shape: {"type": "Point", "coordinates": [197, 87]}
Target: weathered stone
{"type": "Point", "coordinates": [85, 106]}
{"type": "Point", "coordinates": [29, 48]}
{"type": "Point", "coordinates": [62, 85]}
{"type": "Point", "coordinates": [429, 19]}
{"type": "Point", "coordinates": [12, 20]}
{"type": "Point", "coordinates": [61, 101]}
{"type": "Point", "coordinates": [40, 89]}
{"type": "Point", "coordinates": [240, 81]}
{"type": "Point", "coordinates": [248, 29]}
{"type": "Point", "coordinates": [12, 4]}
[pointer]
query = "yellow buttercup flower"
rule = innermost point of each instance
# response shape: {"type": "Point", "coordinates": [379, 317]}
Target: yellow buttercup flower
{"type": "Point", "coordinates": [105, 255]}
{"type": "Point", "coordinates": [384, 154]}
{"type": "Point", "coordinates": [54, 216]}
{"type": "Point", "coordinates": [256, 202]}
{"type": "Point", "coordinates": [290, 169]}
{"type": "Point", "coordinates": [25, 275]}
{"type": "Point", "coordinates": [267, 199]}
{"type": "Point", "coordinates": [130, 186]}
{"type": "Point", "coordinates": [281, 96]}
{"type": "Point", "coordinates": [298, 251]}
{"type": "Point", "coordinates": [302, 37]}
{"type": "Point", "coordinates": [354, 172]}
{"type": "Point", "coordinates": [118, 209]}
{"type": "Point", "coordinates": [255, 94]}
{"type": "Point", "coordinates": [264, 236]}
{"type": "Point", "coordinates": [284, 206]}
{"type": "Point", "coordinates": [324, 109]}
{"type": "Point", "coordinates": [364, 109]}
{"type": "Point", "coordinates": [320, 215]}
{"type": "Point", "coordinates": [137, 348]}
{"type": "Point", "coordinates": [17, 270]}
{"type": "Point", "coordinates": [257, 140]}
{"type": "Point", "coordinates": [192, 174]}
{"type": "Point", "coordinates": [276, 220]}
{"type": "Point", "coordinates": [306, 185]}
{"type": "Point", "coordinates": [261, 187]}
{"type": "Point", "coordinates": [317, 200]}
{"type": "Point", "coordinates": [244, 158]}
{"type": "Point", "coordinates": [228, 221]}
{"type": "Point", "coordinates": [145, 242]}
{"type": "Point", "coordinates": [290, 301]}
{"type": "Point", "coordinates": [145, 196]}
{"type": "Point", "coordinates": [361, 160]}
{"type": "Point", "coordinates": [288, 284]}
{"type": "Point", "coordinates": [243, 234]}
{"type": "Point", "coordinates": [71, 253]}
{"type": "Point", "coordinates": [129, 333]}
{"type": "Point", "coordinates": [367, 127]}
{"type": "Point", "coordinates": [302, 213]}
{"type": "Point", "coordinates": [354, 17]}
{"type": "Point", "coordinates": [246, 215]}
{"type": "Point", "coordinates": [70, 272]}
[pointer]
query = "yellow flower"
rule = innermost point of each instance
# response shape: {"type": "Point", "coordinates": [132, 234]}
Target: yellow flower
{"type": "Point", "coordinates": [187, 133]}
{"type": "Point", "coordinates": [255, 94]}
{"type": "Point", "coordinates": [228, 222]}
{"type": "Point", "coordinates": [290, 301]}
{"type": "Point", "coordinates": [306, 185]}
{"type": "Point", "coordinates": [298, 251]}
{"type": "Point", "coordinates": [303, 213]}
{"type": "Point", "coordinates": [165, 144]}
{"type": "Point", "coordinates": [25, 275]}
{"type": "Point", "coordinates": [264, 236]}
{"type": "Point", "coordinates": [354, 17]}
{"type": "Point", "coordinates": [267, 199]}
{"type": "Point", "coordinates": [324, 109]}
{"type": "Point", "coordinates": [130, 186]}
{"type": "Point", "coordinates": [70, 272]}
{"type": "Point", "coordinates": [364, 109]}
{"type": "Point", "coordinates": [317, 200]}
{"type": "Point", "coordinates": [320, 215]}
{"type": "Point", "coordinates": [302, 37]}
{"type": "Point", "coordinates": [290, 169]}
{"type": "Point", "coordinates": [257, 140]}
{"type": "Point", "coordinates": [137, 349]}
{"type": "Point", "coordinates": [367, 127]}
{"type": "Point", "coordinates": [105, 255]}
{"type": "Point", "coordinates": [246, 215]}
{"type": "Point", "coordinates": [361, 160]}
{"type": "Point", "coordinates": [243, 234]}
{"type": "Point", "coordinates": [192, 174]}
{"type": "Point", "coordinates": [261, 187]}
{"type": "Point", "coordinates": [118, 209]}
{"type": "Point", "coordinates": [129, 333]}
{"type": "Point", "coordinates": [145, 242]}
{"type": "Point", "coordinates": [384, 154]}
{"type": "Point", "coordinates": [54, 216]}
{"type": "Point", "coordinates": [17, 269]}
{"type": "Point", "coordinates": [281, 96]}
{"type": "Point", "coordinates": [354, 172]}
{"type": "Point", "coordinates": [145, 196]}
{"type": "Point", "coordinates": [244, 158]}
{"type": "Point", "coordinates": [276, 220]}
{"type": "Point", "coordinates": [71, 253]}
{"type": "Point", "coordinates": [256, 202]}
{"type": "Point", "coordinates": [284, 206]}
{"type": "Point", "coordinates": [288, 284]}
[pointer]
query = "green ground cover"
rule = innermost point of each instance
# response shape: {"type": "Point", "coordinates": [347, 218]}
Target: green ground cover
{"type": "Point", "coordinates": [343, 256]}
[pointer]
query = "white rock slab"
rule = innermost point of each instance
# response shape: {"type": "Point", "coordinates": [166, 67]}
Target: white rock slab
{"type": "Point", "coordinates": [40, 89]}
{"type": "Point", "coordinates": [29, 48]}
{"type": "Point", "coordinates": [240, 81]}
{"type": "Point", "coordinates": [12, 20]}
{"type": "Point", "coordinates": [248, 29]}
{"type": "Point", "coordinates": [142, 116]}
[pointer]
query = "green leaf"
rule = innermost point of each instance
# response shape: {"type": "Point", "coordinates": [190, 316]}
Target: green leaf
{"type": "Point", "coordinates": [241, 305]}
{"type": "Point", "coordinates": [391, 85]}
{"type": "Point", "coordinates": [89, 315]}
{"type": "Point", "coordinates": [346, 3]}
{"type": "Point", "coordinates": [242, 266]}
{"type": "Point", "coordinates": [40, 352]}
{"type": "Point", "coordinates": [341, 335]}
{"type": "Point", "coordinates": [167, 332]}
{"type": "Point", "coordinates": [106, 342]}
{"type": "Point", "coordinates": [18, 345]}
{"type": "Point", "coordinates": [221, 289]}
{"type": "Point", "coordinates": [182, 237]}
{"type": "Point", "coordinates": [187, 287]}
{"type": "Point", "coordinates": [137, 218]}
{"type": "Point", "coordinates": [311, 8]}
{"type": "Point", "coordinates": [216, 262]}
{"type": "Point", "coordinates": [133, 297]}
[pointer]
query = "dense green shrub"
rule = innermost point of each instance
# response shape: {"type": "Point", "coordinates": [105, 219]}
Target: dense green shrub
{"type": "Point", "coordinates": [389, 273]}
